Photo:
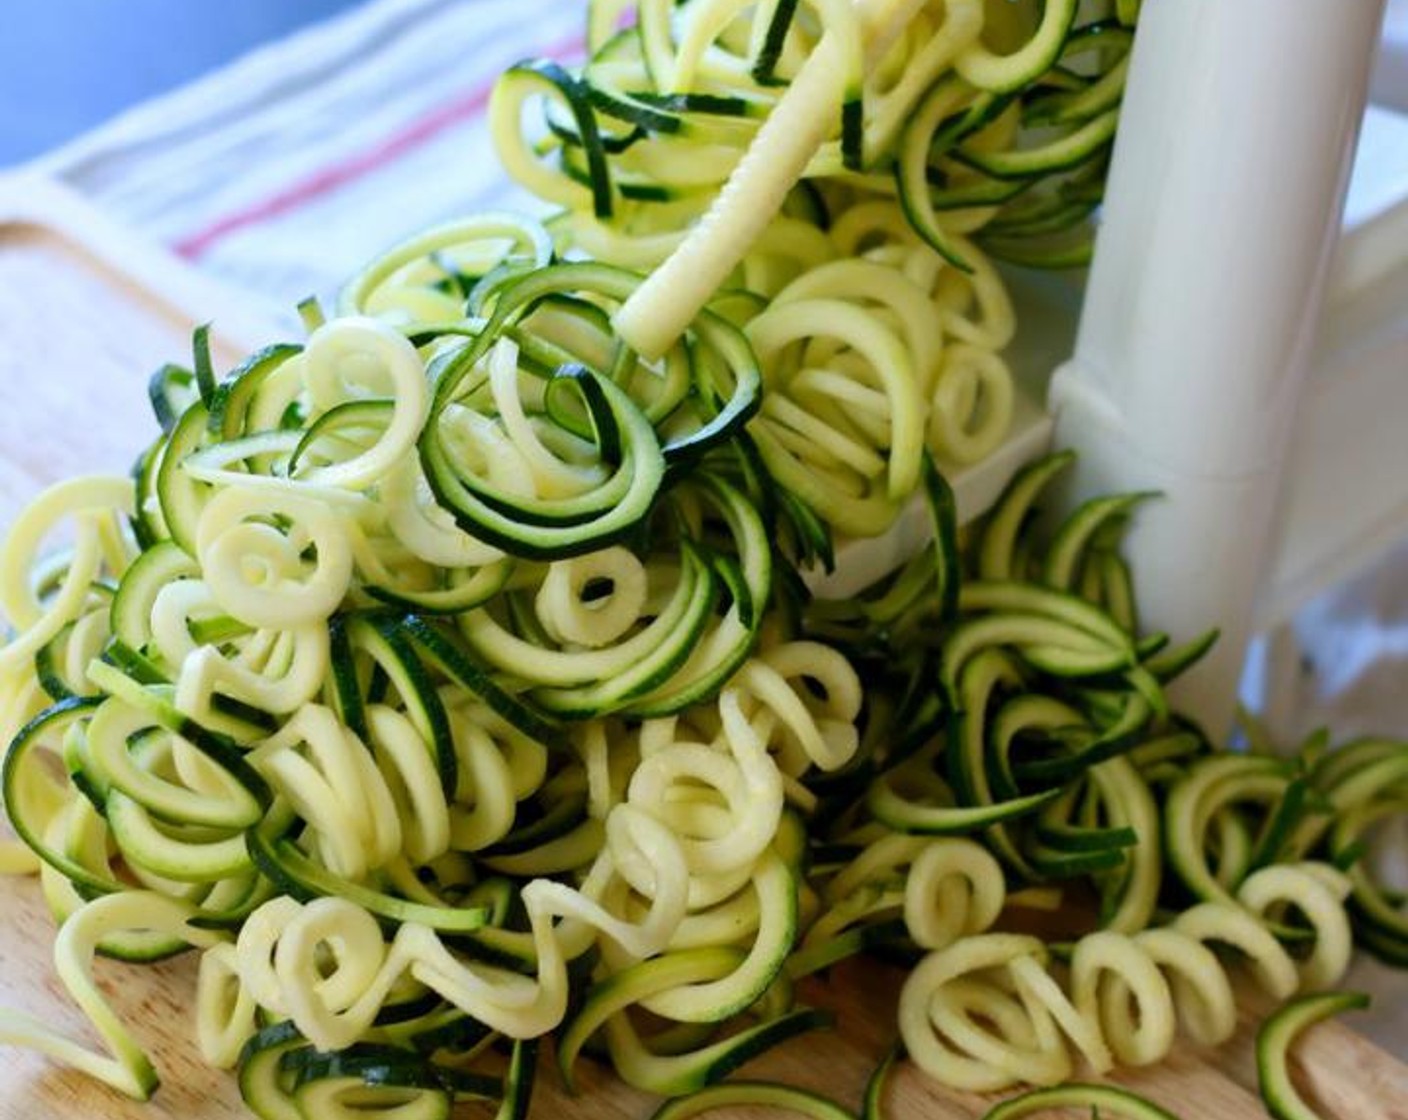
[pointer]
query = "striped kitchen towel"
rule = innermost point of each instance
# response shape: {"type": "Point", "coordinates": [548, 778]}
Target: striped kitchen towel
{"type": "Point", "coordinates": [284, 171]}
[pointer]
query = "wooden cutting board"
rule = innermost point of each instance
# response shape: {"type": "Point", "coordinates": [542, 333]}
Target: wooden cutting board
{"type": "Point", "coordinates": [86, 312]}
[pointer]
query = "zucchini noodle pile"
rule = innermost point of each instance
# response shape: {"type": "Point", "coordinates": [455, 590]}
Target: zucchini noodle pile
{"type": "Point", "coordinates": [1020, 758]}
{"type": "Point", "coordinates": [428, 768]}
{"type": "Point", "coordinates": [353, 691]}
{"type": "Point", "coordinates": [832, 176]}
{"type": "Point", "coordinates": [688, 126]}
{"type": "Point", "coordinates": [447, 681]}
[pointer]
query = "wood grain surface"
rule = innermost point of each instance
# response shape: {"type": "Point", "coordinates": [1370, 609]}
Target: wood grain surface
{"type": "Point", "coordinates": [78, 338]}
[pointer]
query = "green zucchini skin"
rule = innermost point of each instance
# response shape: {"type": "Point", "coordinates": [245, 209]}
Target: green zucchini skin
{"type": "Point", "coordinates": [1278, 1034]}
{"type": "Point", "coordinates": [1106, 1100]}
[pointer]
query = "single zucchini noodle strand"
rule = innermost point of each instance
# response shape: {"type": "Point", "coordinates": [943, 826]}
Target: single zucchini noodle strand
{"type": "Point", "coordinates": [985, 1014]}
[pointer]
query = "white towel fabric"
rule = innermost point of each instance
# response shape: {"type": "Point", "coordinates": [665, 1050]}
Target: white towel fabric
{"type": "Point", "coordinates": [284, 171]}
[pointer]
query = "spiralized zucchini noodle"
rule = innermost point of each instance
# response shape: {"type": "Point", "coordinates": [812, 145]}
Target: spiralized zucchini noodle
{"type": "Point", "coordinates": [984, 1012]}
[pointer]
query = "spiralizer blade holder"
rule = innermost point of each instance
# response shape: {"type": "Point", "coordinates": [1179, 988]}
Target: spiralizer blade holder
{"type": "Point", "coordinates": [1223, 207]}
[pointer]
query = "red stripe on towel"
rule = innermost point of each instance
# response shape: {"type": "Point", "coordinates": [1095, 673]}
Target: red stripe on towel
{"type": "Point", "coordinates": [339, 174]}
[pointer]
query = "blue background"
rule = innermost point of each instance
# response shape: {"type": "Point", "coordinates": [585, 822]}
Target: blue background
{"type": "Point", "coordinates": [67, 65]}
